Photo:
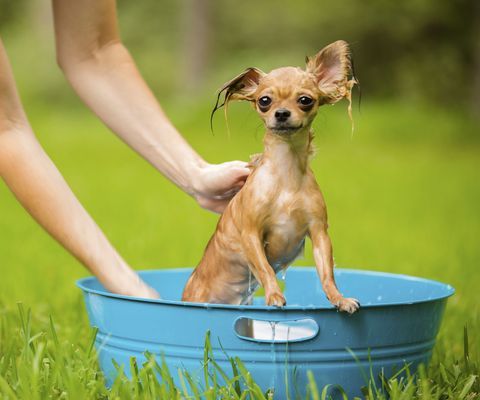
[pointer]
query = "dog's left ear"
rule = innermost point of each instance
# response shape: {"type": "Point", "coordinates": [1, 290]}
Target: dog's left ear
{"type": "Point", "coordinates": [332, 69]}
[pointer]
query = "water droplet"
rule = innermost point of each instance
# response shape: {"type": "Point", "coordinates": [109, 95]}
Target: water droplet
{"type": "Point", "coordinates": [249, 282]}
{"type": "Point", "coordinates": [273, 325]}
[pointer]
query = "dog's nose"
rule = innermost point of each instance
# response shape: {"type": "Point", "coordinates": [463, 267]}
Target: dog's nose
{"type": "Point", "coordinates": [282, 114]}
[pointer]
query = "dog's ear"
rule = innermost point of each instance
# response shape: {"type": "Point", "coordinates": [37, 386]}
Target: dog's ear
{"type": "Point", "coordinates": [332, 69]}
{"type": "Point", "coordinates": [243, 86]}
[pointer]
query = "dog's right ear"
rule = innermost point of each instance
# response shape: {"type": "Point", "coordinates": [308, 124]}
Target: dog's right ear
{"type": "Point", "coordinates": [242, 87]}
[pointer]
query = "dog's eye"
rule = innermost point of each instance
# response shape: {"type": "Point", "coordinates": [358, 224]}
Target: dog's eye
{"type": "Point", "coordinates": [305, 101]}
{"type": "Point", "coordinates": [264, 102]}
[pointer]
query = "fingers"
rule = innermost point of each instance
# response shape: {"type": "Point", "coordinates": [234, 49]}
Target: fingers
{"type": "Point", "coordinates": [221, 183]}
{"type": "Point", "coordinates": [236, 163]}
{"type": "Point", "coordinates": [237, 174]}
{"type": "Point", "coordinates": [151, 294]}
{"type": "Point", "coordinates": [217, 179]}
{"type": "Point", "coordinates": [237, 168]}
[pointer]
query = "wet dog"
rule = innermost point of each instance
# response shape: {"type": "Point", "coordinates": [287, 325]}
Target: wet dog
{"type": "Point", "coordinates": [264, 227]}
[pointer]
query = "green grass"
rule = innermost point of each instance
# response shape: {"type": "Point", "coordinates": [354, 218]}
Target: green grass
{"type": "Point", "coordinates": [403, 196]}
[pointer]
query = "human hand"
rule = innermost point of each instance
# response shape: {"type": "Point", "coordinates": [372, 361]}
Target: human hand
{"type": "Point", "coordinates": [145, 291]}
{"type": "Point", "coordinates": [127, 282]}
{"type": "Point", "coordinates": [216, 184]}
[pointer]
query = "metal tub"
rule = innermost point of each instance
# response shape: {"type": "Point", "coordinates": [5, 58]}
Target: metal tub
{"type": "Point", "coordinates": [397, 323]}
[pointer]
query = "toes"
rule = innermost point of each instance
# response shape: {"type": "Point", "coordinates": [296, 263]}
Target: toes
{"type": "Point", "coordinates": [276, 300]}
{"type": "Point", "coordinates": [348, 305]}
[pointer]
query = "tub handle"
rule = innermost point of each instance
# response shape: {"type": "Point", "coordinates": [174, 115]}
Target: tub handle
{"type": "Point", "coordinates": [275, 331]}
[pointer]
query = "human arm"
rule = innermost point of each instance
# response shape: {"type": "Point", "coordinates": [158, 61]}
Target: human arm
{"type": "Point", "coordinates": [40, 188]}
{"type": "Point", "coordinates": [104, 75]}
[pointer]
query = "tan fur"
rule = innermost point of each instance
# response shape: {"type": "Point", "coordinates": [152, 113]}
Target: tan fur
{"type": "Point", "coordinates": [263, 229]}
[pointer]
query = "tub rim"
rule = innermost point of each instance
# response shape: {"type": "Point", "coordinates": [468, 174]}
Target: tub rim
{"type": "Point", "coordinates": [449, 291]}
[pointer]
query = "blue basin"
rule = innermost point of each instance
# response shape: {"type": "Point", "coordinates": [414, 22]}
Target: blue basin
{"type": "Point", "coordinates": [397, 323]}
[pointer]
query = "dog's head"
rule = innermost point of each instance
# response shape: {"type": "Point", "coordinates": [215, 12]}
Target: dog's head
{"type": "Point", "coordinates": [288, 98]}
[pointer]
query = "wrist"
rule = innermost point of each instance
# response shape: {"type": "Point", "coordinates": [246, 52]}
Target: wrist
{"type": "Point", "coordinates": [196, 186]}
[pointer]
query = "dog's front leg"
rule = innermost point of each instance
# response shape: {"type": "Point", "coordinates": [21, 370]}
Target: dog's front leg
{"type": "Point", "coordinates": [322, 253]}
{"type": "Point", "coordinates": [261, 269]}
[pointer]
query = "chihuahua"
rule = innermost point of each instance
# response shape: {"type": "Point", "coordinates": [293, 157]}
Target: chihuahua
{"type": "Point", "coordinates": [263, 228]}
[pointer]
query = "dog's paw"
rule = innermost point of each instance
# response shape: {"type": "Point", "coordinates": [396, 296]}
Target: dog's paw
{"type": "Point", "coordinates": [275, 299]}
{"type": "Point", "coordinates": [348, 305]}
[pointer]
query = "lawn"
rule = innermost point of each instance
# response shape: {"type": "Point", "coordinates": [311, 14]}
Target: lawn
{"type": "Point", "coordinates": [403, 195]}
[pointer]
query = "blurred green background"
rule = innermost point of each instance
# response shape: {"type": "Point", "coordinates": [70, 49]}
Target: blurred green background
{"type": "Point", "coordinates": [403, 192]}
